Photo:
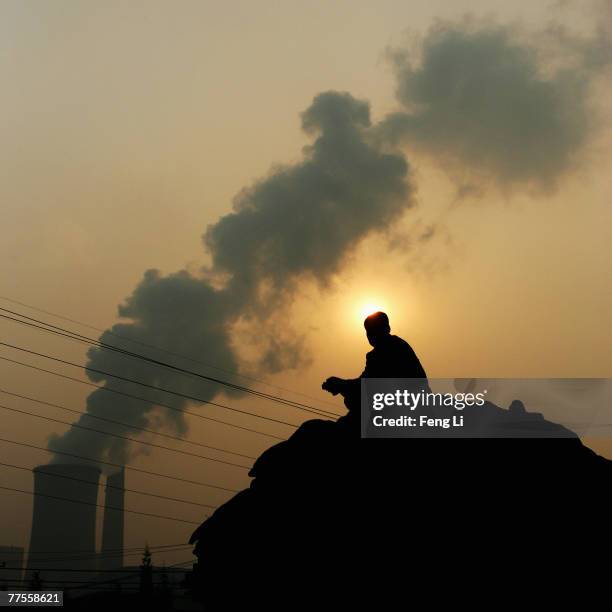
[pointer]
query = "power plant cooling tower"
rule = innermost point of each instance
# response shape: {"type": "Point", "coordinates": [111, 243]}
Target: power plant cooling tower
{"type": "Point", "coordinates": [64, 518]}
{"type": "Point", "coordinates": [112, 532]}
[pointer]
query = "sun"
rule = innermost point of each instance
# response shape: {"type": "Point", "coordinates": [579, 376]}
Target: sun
{"type": "Point", "coordinates": [365, 309]}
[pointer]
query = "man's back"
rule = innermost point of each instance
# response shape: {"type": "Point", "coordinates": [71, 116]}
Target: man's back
{"type": "Point", "coordinates": [392, 357]}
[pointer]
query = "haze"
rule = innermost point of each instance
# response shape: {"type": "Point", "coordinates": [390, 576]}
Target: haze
{"type": "Point", "coordinates": [129, 128]}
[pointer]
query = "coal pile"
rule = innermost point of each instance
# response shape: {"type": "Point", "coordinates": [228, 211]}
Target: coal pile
{"type": "Point", "coordinates": [332, 520]}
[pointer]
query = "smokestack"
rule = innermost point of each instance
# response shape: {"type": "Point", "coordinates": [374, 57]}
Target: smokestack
{"type": "Point", "coordinates": [112, 531]}
{"type": "Point", "coordinates": [63, 531]}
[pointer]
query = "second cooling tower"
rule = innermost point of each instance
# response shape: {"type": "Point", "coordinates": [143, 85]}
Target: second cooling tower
{"type": "Point", "coordinates": [112, 532]}
{"type": "Point", "coordinates": [64, 517]}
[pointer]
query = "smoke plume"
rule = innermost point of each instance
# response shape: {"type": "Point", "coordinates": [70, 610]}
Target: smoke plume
{"type": "Point", "coordinates": [299, 222]}
{"type": "Point", "coordinates": [477, 100]}
{"type": "Point", "coordinates": [485, 103]}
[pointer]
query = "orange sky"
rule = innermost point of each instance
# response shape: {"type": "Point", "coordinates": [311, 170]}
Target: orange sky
{"type": "Point", "coordinates": [128, 128]}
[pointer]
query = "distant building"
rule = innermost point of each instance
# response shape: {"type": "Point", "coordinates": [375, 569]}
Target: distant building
{"type": "Point", "coordinates": [65, 514]}
{"type": "Point", "coordinates": [111, 556]}
{"type": "Point", "coordinates": [63, 521]}
{"type": "Point", "coordinates": [11, 564]}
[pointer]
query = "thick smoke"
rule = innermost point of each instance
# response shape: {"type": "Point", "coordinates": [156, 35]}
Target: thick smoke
{"type": "Point", "coordinates": [478, 102]}
{"type": "Point", "coordinates": [485, 104]}
{"type": "Point", "coordinates": [299, 222]}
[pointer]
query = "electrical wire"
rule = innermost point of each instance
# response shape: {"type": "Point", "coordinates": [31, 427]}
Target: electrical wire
{"type": "Point", "coordinates": [57, 497]}
{"type": "Point", "coordinates": [163, 350]}
{"type": "Point", "coordinates": [53, 552]}
{"type": "Point", "coordinates": [101, 556]}
{"type": "Point", "coordinates": [99, 484]}
{"type": "Point", "coordinates": [91, 341]}
{"type": "Point", "coordinates": [119, 465]}
{"type": "Point", "coordinates": [128, 425]}
{"type": "Point", "coordinates": [147, 385]}
{"type": "Point", "coordinates": [106, 433]}
{"type": "Point", "coordinates": [141, 399]}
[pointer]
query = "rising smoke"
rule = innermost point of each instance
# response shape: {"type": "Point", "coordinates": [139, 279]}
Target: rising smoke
{"type": "Point", "coordinates": [483, 102]}
{"type": "Point", "coordinates": [299, 222]}
{"type": "Point", "coordinates": [476, 99]}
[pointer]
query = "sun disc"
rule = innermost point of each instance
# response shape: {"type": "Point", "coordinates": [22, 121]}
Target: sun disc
{"type": "Point", "coordinates": [368, 308]}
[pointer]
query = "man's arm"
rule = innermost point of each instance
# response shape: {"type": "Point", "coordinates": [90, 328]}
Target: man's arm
{"type": "Point", "coordinates": [335, 385]}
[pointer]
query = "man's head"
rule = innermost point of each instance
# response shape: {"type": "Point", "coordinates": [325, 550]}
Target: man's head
{"type": "Point", "coordinates": [377, 327]}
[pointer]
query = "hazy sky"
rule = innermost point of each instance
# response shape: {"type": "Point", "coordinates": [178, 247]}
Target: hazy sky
{"type": "Point", "coordinates": [128, 128]}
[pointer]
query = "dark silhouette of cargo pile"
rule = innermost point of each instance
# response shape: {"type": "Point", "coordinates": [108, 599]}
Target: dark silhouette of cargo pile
{"type": "Point", "coordinates": [326, 507]}
{"type": "Point", "coordinates": [332, 520]}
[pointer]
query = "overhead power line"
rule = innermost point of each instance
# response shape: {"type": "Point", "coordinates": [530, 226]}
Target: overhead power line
{"type": "Point", "coordinates": [49, 583]}
{"type": "Point", "coordinates": [136, 440]}
{"type": "Point", "coordinates": [141, 399]}
{"type": "Point", "coordinates": [99, 484]}
{"type": "Point", "coordinates": [48, 327]}
{"type": "Point", "coordinates": [66, 584]}
{"type": "Point", "coordinates": [75, 501]}
{"type": "Point", "coordinates": [55, 552]}
{"type": "Point", "coordinates": [119, 465]}
{"type": "Point", "coordinates": [101, 556]}
{"type": "Point", "coordinates": [128, 425]}
{"type": "Point", "coordinates": [163, 350]}
{"type": "Point", "coordinates": [126, 587]}
{"type": "Point", "coordinates": [187, 396]}
{"type": "Point", "coordinates": [129, 575]}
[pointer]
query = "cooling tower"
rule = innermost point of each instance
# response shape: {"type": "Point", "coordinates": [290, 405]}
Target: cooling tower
{"type": "Point", "coordinates": [112, 533]}
{"type": "Point", "coordinates": [63, 531]}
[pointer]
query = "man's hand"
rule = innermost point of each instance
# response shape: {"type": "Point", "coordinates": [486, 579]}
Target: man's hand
{"type": "Point", "coordinates": [333, 385]}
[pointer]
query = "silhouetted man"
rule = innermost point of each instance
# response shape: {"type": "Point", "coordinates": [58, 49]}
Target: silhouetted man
{"type": "Point", "coordinates": [391, 357]}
